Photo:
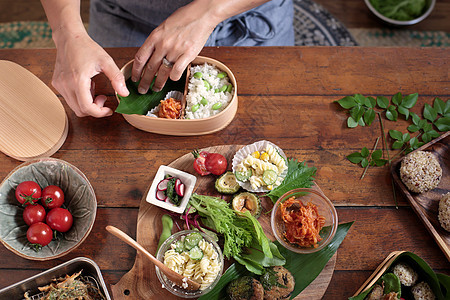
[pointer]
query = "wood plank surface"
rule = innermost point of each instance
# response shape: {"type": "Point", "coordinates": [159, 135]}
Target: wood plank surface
{"type": "Point", "coordinates": [294, 109]}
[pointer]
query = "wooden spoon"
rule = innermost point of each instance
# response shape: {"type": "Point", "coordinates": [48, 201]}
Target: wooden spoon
{"type": "Point", "coordinates": [171, 275]}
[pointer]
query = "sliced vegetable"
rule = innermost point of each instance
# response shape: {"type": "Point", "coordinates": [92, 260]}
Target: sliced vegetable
{"type": "Point", "coordinates": [192, 240]}
{"type": "Point", "coordinates": [179, 246]}
{"type": "Point", "coordinates": [162, 185]}
{"type": "Point", "coordinates": [227, 183]}
{"type": "Point", "coordinates": [243, 176]}
{"type": "Point", "coordinates": [247, 201]}
{"type": "Point", "coordinates": [179, 189]}
{"type": "Point", "coordinates": [196, 253]}
{"type": "Point", "coordinates": [161, 195]}
{"type": "Point", "coordinates": [269, 177]}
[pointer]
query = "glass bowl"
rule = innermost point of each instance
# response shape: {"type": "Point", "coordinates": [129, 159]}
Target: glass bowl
{"type": "Point", "coordinates": [169, 285]}
{"type": "Point", "coordinates": [325, 208]}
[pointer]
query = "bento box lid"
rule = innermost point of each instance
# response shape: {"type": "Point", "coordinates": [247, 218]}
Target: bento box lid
{"type": "Point", "coordinates": [33, 122]}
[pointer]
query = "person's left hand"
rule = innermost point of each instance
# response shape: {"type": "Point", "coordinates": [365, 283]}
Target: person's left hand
{"type": "Point", "coordinates": [179, 39]}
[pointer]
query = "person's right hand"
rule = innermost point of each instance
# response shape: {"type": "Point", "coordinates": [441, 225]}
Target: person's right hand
{"type": "Point", "coordinates": [78, 60]}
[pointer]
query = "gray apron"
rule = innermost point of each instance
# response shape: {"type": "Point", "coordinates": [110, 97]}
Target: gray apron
{"type": "Point", "coordinates": [128, 23]}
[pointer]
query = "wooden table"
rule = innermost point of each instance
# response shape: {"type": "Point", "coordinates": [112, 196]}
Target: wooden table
{"type": "Point", "coordinates": [286, 96]}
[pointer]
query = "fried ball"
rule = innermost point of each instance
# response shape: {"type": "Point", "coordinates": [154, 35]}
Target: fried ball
{"type": "Point", "coordinates": [278, 283]}
{"type": "Point", "coordinates": [420, 171]}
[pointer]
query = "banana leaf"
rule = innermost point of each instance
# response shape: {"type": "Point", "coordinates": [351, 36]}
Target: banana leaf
{"type": "Point", "coordinates": [439, 283]}
{"type": "Point", "coordinates": [140, 104]}
{"type": "Point", "coordinates": [304, 267]}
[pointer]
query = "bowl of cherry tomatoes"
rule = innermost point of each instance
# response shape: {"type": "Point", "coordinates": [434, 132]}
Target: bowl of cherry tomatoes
{"type": "Point", "coordinates": [47, 209]}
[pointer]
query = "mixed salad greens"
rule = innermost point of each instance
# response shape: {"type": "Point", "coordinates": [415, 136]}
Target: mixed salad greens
{"type": "Point", "coordinates": [402, 10]}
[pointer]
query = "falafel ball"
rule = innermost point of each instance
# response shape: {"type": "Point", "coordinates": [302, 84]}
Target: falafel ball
{"type": "Point", "coordinates": [278, 283]}
{"type": "Point", "coordinates": [245, 288]}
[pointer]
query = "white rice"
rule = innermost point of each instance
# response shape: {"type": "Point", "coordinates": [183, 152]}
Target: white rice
{"type": "Point", "coordinates": [197, 90]}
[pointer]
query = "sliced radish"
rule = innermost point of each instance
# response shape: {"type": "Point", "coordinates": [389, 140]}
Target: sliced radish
{"type": "Point", "coordinates": [180, 190]}
{"type": "Point", "coordinates": [160, 195]}
{"type": "Point", "coordinates": [162, 185]}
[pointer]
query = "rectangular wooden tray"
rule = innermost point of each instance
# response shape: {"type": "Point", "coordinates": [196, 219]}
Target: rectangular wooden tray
{"type": "Point", "coordinates": [426, 204]}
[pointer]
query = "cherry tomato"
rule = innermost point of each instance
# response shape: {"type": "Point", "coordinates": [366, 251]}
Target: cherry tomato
{"type": "Point", "coordinates": [33, 214]}
{"type": "Point", "coordinates": [199, 162]}
{"type": "Point", "coordinates": [28, 192]}
{"type": "Point", "coordinates": [52, 197]}
{"type": "Point", "coordinates": [59, 219]}
{"type": "Point", "coordinates": [216, 163]}
{"type": "Point", "coordinates": [39, 234]}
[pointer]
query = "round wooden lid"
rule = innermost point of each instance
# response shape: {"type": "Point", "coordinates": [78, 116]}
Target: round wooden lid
{"type": "Point", "coordinates": [33, 122]}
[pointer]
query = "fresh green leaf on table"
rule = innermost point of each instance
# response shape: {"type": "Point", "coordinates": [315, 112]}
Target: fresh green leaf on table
{"type": "Point", "coordinates": [304, 267]}
{"type": "Point", "coordinates": [299, 175]}
{"type": "Point", "coordinates": [140, 104]}
{"type": "Point", "coordinates": [404, 10]}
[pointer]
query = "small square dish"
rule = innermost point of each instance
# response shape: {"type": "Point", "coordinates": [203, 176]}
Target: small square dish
{"type": "Point", "coordinates": [170, 183]}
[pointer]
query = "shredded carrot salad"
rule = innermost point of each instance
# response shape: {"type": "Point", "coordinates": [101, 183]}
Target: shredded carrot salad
{"type": "Point", "coordinates": [170, 109]}
{"type": "Point", "coordinates": [302, 222]}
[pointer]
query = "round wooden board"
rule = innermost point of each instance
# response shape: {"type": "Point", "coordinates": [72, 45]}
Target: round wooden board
{"type": "Point", "coordinates": [141, 281]}
{"type": "Point", "coordinates": [33, 122]}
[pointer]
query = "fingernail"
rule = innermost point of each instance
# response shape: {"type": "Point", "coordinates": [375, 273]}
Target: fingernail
{"type": "Point", "coordinates": [134, 79]}
{"type": "Point", "coordinates": [142, 90]}
{"type": "Point", "coordinates": [155, 89]}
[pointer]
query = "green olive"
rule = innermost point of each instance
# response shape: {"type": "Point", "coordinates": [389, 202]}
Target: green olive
{"type": "Point", "coordinates": [222, 75]}
{"type": "Point", "coordinates": [217, 106]}
{"type": "Point", "coordinates": [204, 101]}
{"type": "Point", "coordinates": [198, 74]}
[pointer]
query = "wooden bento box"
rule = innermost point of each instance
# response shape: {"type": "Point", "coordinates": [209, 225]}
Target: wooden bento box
{"type": "Point", "coordinates": [186, 127]}
{"type": "Point", "coordinates": [437, 284]}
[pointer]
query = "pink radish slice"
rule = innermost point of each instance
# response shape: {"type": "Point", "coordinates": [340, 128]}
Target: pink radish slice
{"type": "Point", "coordinates": [180, 190]}
{"type": "Point", "coordinates": [160, 195]}
{"type": "Point", "coordinates": [162, 185]}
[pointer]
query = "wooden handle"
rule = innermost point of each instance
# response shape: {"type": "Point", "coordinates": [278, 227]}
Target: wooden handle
{"type": "Point", "coordinates": [172, 275]}
{"type": "Point", "coordinates": [127, 239]}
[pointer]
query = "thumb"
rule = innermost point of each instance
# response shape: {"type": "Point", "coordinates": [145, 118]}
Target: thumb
{"type": "Point", "coordinates": [116, 77]}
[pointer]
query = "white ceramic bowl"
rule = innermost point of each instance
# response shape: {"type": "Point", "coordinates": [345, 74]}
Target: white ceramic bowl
{"type": "Point", "coordinates": [187, 179]}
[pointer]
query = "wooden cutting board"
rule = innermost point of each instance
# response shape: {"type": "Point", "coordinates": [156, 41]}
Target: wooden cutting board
{"type": "Point", "coordinates": [33, 122]}
{"type": "Point", "coordinates": [141, 281]}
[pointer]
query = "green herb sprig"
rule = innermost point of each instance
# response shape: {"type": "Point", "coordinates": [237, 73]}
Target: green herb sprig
{"type": "Point", "coordinates": [363, 111]}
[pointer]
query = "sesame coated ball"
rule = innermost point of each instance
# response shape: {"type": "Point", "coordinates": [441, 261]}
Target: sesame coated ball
{"type": "Point", "coordinates": [420, 171]}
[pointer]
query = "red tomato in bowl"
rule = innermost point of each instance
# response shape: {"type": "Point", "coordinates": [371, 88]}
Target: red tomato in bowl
{"type": "Point", "coordinates": [28, 192]}
{"type": "Point", "coordinates": [33, 214]}
{"type": "Point", "coordinates": [59, 219]}
{"type": "Point", "coordinates": [52, 197]}
{"type": "Point", "coordinates": [39, 234]}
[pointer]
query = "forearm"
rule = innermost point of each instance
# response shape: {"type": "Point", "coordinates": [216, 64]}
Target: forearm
{"type": "Point", "coordinates": [64, 18]}
{"type": "Point", "coordinates": [220, 10]}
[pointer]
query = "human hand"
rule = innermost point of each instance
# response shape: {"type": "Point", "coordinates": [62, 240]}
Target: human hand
{"type": "Point", "coordinates": [179, 39]}
{"type": "Point", "coordinates": [78, 60]}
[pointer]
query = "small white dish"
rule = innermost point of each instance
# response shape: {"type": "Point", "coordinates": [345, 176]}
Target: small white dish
{"type": "Point", "coordinates": [187, 179]}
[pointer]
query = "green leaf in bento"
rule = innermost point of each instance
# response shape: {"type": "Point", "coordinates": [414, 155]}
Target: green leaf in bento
{"type": "Point", "coordinates": [140, 104]}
